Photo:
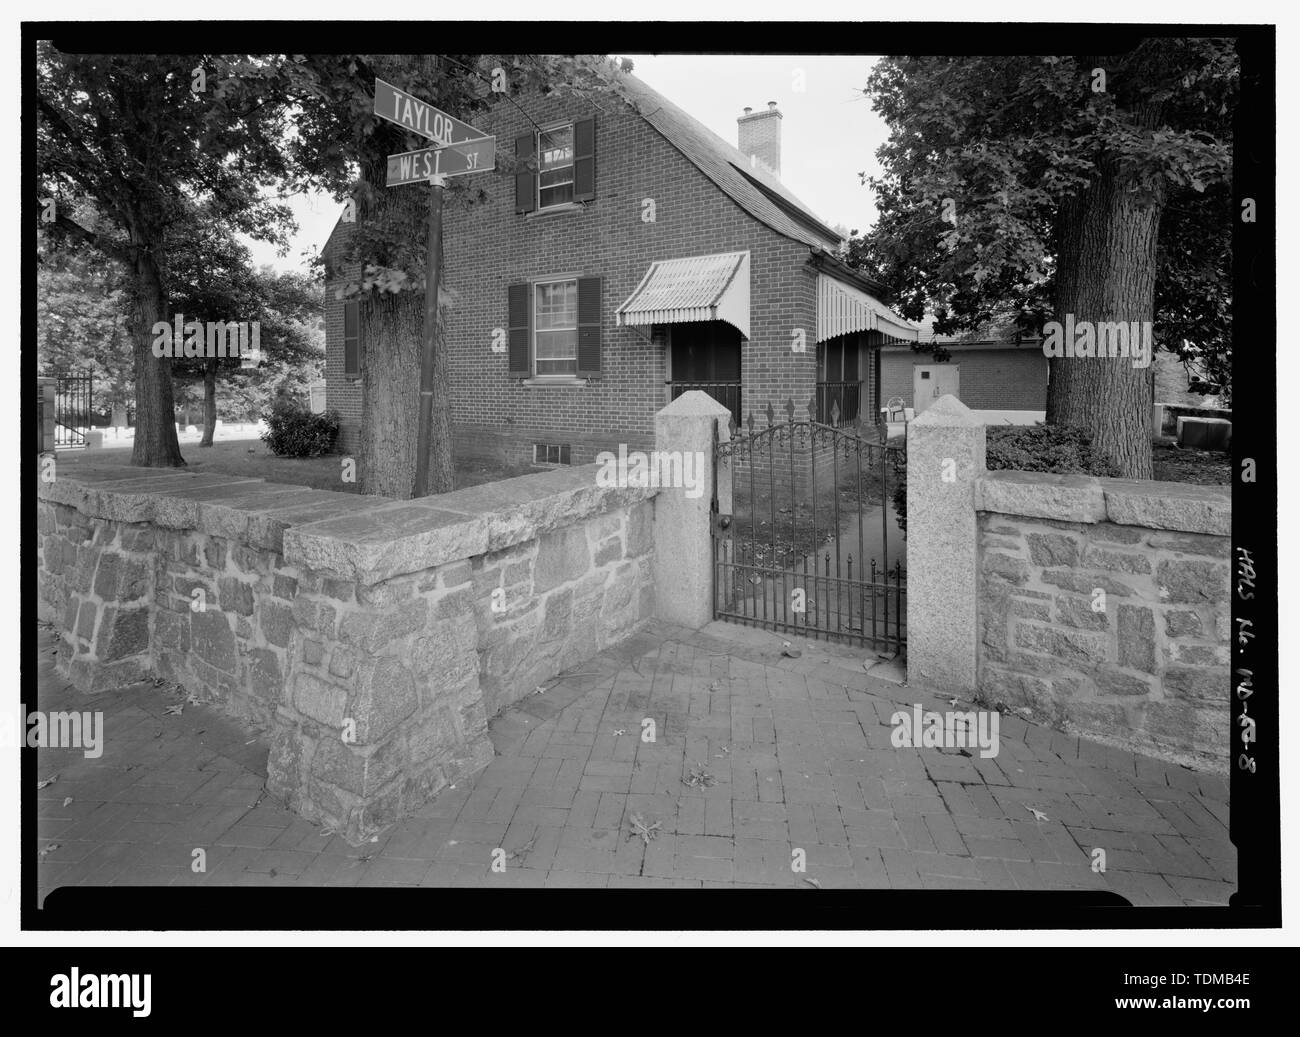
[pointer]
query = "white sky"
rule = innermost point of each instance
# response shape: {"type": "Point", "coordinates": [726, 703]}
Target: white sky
{"type": "Point", "coordinates": [828, 132]}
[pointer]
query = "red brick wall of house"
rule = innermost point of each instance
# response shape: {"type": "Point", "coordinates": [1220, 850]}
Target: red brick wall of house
{"type": "Point", "coordinates": [488, 246]}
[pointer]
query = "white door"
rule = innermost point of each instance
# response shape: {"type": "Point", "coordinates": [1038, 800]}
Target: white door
{"type": "Point", "coordinates": [930, 381]}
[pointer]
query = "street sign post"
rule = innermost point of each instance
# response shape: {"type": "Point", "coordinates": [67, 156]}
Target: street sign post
{"type": "Point", "coordinates": [459, 149]}
{"type": "Point", "coordinates": [471, 156]}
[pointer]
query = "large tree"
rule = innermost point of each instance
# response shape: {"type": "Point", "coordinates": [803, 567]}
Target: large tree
{"type": "Point", "coordinates": [340, 145]}
{"type": "Point", "coordinates": [1033, 188]}
{"type": "Point", "coordinates": [213, 280]}
{"type": "Point", "coordinates": [140, 137]}
{"type": "Point", "coordinates": [83, 315]}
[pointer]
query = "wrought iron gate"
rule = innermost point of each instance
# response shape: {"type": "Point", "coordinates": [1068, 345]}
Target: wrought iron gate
{"type": "Point", "coordinates": [806, 537]}
{"type": "Point", "coordinates": [71, 410]}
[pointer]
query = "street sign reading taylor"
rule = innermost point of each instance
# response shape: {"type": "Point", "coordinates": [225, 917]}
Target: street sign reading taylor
{"type": "Point", "coordinates": [420, 117]}
{"type": "Point", "coordinates": [471, 156]}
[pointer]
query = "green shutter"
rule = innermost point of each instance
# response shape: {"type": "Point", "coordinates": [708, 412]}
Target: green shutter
{"type": "Point", "coordinates": [584, 160]}
{"type": "Point", "coordinates": [525, 173]}
{"type": "Point", "coordinates": [517, 298]}
{"type": "Point", "coordinates": [588, 327]}
{"type": "Point", "coordinates": [351, 339]}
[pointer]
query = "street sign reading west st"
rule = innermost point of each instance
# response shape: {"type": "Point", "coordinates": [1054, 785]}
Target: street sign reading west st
{"type": "Point", "coordinates": [471, 156]}
{"type": "Point", "coordinates": [420, 117]}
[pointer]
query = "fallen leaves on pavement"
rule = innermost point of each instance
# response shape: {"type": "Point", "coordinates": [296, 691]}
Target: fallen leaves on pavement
{"type": "Point", "coordinates": [639, 827]}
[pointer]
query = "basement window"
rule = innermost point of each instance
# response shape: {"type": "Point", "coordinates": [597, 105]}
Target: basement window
{"type": "Point", "coordinates": [551, 454]}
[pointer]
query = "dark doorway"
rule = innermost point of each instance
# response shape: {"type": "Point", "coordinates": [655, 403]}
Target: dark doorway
{"type": "Point", "coordinates": [839, 387]}
{"type": "Point", "coordinates": [706, 356]}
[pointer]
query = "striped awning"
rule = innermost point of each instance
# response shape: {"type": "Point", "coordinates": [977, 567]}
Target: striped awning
{"type": "Point", "coordinates": [698, 288]}
{"type": "Point", "coordinates": [843, 310]}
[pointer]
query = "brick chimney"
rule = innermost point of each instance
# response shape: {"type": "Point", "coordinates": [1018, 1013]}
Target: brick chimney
{"type": "Point", "coordinates": [759, 135]}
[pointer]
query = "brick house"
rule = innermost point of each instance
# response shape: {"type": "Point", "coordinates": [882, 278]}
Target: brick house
{"type": "Point", "coordinates": [630, 255]}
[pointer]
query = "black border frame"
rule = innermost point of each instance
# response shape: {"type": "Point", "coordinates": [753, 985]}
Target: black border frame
{"type": "Point", "coordinates": [1255, 796]}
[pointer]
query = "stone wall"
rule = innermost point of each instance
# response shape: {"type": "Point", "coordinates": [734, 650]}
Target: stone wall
{"type": "Point", "coordinates": [371, 639]}
{"type": "Point", "coordinates": [1100, 606]}
{"type": "Point", "coordinates": [1104, 607]}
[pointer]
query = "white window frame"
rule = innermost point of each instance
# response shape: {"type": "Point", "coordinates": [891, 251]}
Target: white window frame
{"type": "Point", "coordinates": [572, 165]}
{"type": "Point", "coordinates": [567, 376]}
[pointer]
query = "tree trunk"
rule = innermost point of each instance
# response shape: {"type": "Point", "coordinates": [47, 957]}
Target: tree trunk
{"type": "Point", "coordinates": [1106, 271]}
{"type": "Point", "coordinates": [394, 328]}
{"type": "Point", "coordinates": [390, 380]}
{"type": "Point", "coordinates": [442, 473]}
{"type": "Point", "coordinates": [209, 401]}
{"type": "Point", "coordinates": [156, 445]}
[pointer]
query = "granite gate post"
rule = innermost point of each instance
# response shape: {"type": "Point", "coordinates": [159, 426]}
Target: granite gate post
{"type": "Point", "coordinates": [945, 456]}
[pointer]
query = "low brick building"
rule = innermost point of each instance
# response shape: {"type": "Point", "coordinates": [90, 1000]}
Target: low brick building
{"type": "Point", "coordinates": [991, 368]}
{"type": "Point", "coordinates": [629, 255]}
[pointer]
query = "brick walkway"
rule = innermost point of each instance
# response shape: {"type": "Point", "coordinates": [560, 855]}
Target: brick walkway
{"type": "Point", "coordinates": [796, 754]}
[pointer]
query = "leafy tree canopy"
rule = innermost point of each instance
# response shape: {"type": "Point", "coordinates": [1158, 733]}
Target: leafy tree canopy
{"type": "Point", "coordinates": [984, 152]}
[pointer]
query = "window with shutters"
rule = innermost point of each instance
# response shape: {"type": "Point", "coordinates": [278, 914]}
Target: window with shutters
{"type": "Point", "coordinates": [555, 328]}
{"type": "Point", "coordinates": [555, 166]}
{"type": "Point", "coordinates": [352, 339]}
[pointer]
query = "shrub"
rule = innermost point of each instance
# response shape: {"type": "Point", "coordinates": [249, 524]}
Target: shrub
{"type": "Point", "coordinates": [1061, 450]}
{"type": "Point", "coordinates": [294, 431]}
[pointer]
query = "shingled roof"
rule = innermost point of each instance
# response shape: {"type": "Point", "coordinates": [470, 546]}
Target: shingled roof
{"type": "Point", "coordinates": [755, 190]}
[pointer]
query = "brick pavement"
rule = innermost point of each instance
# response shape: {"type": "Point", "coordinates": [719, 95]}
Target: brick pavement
{"type": "Point", "coordinates": [788, 753]}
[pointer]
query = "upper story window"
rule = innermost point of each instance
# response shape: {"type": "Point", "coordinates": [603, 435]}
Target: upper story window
{"type": "Point", "coordinates": [555, 166]}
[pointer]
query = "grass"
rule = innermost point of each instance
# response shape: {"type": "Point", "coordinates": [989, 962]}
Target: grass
{"type": "Point", "coordinates": [251, 459]}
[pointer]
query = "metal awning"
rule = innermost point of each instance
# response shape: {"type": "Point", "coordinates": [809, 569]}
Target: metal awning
{"type": "Point", "coordinates": [698, 288]}
{"type": "Point", "coordinates": [843, 310]}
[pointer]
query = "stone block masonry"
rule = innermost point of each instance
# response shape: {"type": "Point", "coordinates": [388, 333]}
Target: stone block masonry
{"type": "Point", "coordinates": [1105, 606]}
{"type": "Point", "coordinates": [370, 639]}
